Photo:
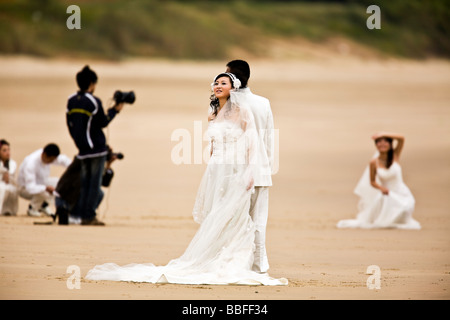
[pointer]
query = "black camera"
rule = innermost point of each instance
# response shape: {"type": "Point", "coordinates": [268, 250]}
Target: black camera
{"type": "Point", "coordinates": [127, 97]}
{"type": "Point", "coordinates": [118, 155]}
{"type": "Point", "coordinates": [109, 173]}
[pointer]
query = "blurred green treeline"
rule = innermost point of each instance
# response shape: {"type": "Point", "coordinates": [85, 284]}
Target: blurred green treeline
{"type": "Point", "coordinates": [208, 29]}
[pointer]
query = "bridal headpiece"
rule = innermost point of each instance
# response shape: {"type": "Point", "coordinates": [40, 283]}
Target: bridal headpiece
{"type": "Point", "coordinates": [234, 79]}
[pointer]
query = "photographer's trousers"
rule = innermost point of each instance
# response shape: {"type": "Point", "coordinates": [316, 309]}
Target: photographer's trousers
{"type": "Point", "coordinates": [91, 193]}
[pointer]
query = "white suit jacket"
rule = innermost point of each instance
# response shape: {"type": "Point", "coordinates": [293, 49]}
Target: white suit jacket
{"type": "Point", "coordinates": [33, 173]}
{"type": "Point", "coordinates": [262, 113]}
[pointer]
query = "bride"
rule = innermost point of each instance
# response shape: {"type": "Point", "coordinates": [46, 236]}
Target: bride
{"type": "Point", "coordinates": [221, 251]}
{"type": "Point", "coordinates": [385, 200]}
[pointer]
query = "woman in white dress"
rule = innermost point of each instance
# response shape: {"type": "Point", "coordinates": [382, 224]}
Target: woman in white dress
{"type": "Point", "coordinates": [9, 196]}
{"type": "Point", "coordinates": [385, 200]}
{"type": "Point", "coordinates": [221, 251]}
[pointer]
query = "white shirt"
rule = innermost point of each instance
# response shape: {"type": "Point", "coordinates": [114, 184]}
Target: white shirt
{"type": "Point", "coordinates": [33, 173]}
{"type": "Point", "coordinates": [262, 113]}
{"type": "Point", "coordinates": [11, 170]}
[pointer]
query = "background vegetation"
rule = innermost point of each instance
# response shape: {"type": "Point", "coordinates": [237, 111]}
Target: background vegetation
{"type": "Point", "coordinates": [208, 29]}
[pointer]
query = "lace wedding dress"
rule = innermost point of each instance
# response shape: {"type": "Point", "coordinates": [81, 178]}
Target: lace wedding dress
{"type": "Point", "coordinates": [221, 251]}
{"type": "Point", "coordinates": [383, 211]}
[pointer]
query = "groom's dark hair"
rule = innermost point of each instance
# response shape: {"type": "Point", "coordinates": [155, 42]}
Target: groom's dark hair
{"type": "Point", "coordinates": [51, 150]}
{"type": "Point", "coordinates": [240, 69]}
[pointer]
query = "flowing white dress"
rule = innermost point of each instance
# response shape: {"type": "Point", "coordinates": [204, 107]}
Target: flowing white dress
{"type": "Point", "coordinates": [221, 251]}
{"type": "Point", "coordinates": [376, 210]}
{"type": "Point", "coordinates": [9, 196]}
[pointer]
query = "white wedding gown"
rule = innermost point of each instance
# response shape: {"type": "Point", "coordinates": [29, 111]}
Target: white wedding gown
{"type": "Point", "coordinates": [9, 197]}
{"type": "Point", "coordinates": [221, 251]}
{"type": "Point", "coordinates": [383, 211]}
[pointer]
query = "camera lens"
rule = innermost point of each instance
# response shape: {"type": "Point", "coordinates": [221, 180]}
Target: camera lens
{"type": "Point", "coordinates": [127, 97]}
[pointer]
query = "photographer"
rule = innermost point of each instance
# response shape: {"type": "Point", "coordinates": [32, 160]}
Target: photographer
{"type": "Point", "coordinates": [86, 119]}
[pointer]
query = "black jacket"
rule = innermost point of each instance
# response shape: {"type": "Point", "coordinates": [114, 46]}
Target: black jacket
{"type": "Point", "coordinates": [86, 119]}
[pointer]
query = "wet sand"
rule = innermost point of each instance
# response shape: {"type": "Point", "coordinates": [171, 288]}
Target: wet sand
{"type": "Point", "coordinates": [325, 110]}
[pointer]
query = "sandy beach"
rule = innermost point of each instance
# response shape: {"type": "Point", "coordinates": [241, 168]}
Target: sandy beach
{"type": "Point", "coordinates": [325, 111]}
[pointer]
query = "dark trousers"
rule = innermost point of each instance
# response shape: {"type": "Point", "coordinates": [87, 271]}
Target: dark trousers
{"type": "Point", "coordinates": [91, 193]}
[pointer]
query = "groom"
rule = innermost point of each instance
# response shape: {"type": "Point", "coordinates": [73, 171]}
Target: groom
{"type": "Point", "coordinates": [259, 206]}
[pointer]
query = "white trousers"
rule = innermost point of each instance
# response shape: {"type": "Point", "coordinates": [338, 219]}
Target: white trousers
{"type": "Point", "coordinates": [36, 200]}
{"type": "Point", "coordinates": [259, 211]}
{"type": "Point", "coordinates": [9, 199]}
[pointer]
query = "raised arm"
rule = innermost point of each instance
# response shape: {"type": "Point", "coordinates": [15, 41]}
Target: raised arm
{"type": "Point", "coordinates": [394, 136]}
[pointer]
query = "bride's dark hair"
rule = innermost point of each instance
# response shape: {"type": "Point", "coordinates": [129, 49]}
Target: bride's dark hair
{"type": "Point", "coordinates": [390, 153]}
{"type": "Point", "coordinates": [214, 101]}
{"type": "Point", "coordinates": [6, 162]}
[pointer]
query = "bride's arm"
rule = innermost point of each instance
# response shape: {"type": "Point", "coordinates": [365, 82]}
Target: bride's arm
{"type": "Point", "coordinates": [211, 144]}
{"type": "Point", "coordinates": [394, 136]}
{"type": "Point", "coordinates": [373, 173]}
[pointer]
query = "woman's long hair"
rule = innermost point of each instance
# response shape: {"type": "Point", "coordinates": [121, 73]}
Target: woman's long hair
{"type": "Point", "coordinates": [390, 156]}
{"type": "Point", "coordinates": [390, 153]}
{"type": "Point", "coordinates": [6, 161]}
